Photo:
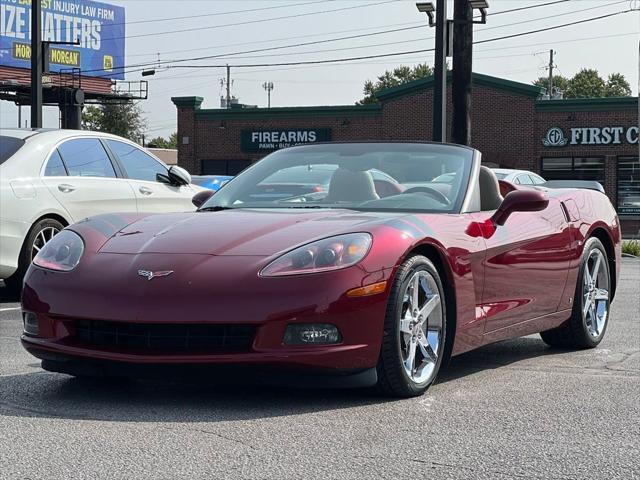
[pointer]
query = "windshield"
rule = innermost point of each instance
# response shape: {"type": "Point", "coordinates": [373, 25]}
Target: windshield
{"type": "Point", "coordinates": [367, 176]}
{"type": "Point", "coordinates": [501, 176]}
{"type": "Point", "coordinates": [9, 146]}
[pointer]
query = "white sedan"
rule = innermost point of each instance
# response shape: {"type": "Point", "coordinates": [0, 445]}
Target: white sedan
{"type": "Point", "coordinates": [518, 177]}
{"type": "Point", "coordinates": [52, 178]}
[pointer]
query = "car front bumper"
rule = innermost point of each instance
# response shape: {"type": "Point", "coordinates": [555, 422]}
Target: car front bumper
{"type": "Point", "coordinates": [60, 301]}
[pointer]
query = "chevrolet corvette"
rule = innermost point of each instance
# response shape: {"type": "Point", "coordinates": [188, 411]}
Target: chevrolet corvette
{"type": "Point", "coordinates": [364, 283]}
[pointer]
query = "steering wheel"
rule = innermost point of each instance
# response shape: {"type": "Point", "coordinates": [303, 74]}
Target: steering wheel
{"type": "Point", "coordinates": [431, 192]}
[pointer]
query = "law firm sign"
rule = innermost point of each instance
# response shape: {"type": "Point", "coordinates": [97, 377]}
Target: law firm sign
{"type": "Point", "coordinates": [85, 34]}
{"type": "Point", "coordinates": [270, 140]}
{"type": "Point", "coordinates": [591, 136]}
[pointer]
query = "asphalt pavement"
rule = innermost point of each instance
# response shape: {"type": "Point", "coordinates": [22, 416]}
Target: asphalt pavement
{"type": "Point", "coordinates": [512, 410]}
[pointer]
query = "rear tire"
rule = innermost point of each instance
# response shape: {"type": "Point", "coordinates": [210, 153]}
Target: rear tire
{"type": "Point", "coordinates": [414, 330]}
{"type": "Point", "coordinates": [41, 232]}
{"type": "Point", "coordinates": [590, 313]}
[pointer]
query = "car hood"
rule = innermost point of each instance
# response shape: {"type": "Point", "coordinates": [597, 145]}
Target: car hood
{"type": "Point", "coordinates": [235, 232]}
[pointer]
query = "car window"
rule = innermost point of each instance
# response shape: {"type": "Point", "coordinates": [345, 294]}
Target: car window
{"type": "Point", "coordinates": [537, 180]}
{"type": "Point", "coordinates": [350, 183]}
{"type": "Point", "coordinates": [9, 146]}
{"type": "Point", "coordinates": [55, 167]}
{"type": "Point", "coordinates": [138, 165]}
{"type": "Point", "coordinates": [86, 157]}
{"type": "Point", "coordinates": [524, 180]}
{"type": "Point", "coordinates": [306, 174]}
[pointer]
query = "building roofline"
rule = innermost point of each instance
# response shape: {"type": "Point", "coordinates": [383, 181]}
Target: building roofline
{"type": "Point", "coordinates": [476, 78]}
{"type": "Point", "coordinates": [188, 102]}
{"type": "Point", "coordinates": [288, 112]}
{"type": "Point", "coordinates": [587, 104]}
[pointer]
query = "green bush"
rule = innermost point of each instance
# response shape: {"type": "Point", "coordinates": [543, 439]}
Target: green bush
{"type": "Point", "coordinates": [631, 247]}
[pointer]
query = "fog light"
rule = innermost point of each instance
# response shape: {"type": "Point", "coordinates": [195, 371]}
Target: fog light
{"type": "Point", "coordinates": [30, 323]}
{"type": "Point", "coordinates": [311, 333]}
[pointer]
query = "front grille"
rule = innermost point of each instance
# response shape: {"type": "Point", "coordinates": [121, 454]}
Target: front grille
{"type": "Point", "coordinates": [193, 338]}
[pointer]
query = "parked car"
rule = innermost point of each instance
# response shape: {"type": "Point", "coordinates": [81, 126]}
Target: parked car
{"type": "Point", "coordinates": [52, 178]}
{"type": "Point", "coordinates": [371, 290]}
{"type": "Point", "coordinates": [212, 182]}
{"type": "Point", "coordinates": [518, 177]}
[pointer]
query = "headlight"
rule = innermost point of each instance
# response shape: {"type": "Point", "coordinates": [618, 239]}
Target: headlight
{"type": "Point", "coordinates": [61, 253]}
{"type": "Point", "coordinates": [330, 253]}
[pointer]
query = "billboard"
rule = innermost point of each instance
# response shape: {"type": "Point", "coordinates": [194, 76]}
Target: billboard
{"type": "Point", "coordinates": [98, 27]}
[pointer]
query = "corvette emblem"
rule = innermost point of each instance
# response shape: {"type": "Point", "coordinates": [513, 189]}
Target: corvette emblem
{"type": "Point", "coordinates": [151, 275]}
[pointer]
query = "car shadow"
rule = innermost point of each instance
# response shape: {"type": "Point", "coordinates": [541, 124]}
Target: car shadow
{"type": "Point", "coordinates": [496, 355]}
{"type": "Point", "coordinates": [47, 395]}
{"type": "Point", "coordinates": [6, 296]}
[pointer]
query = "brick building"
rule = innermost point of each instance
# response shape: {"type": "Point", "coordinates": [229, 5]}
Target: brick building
{"type": "Point", "coordinates": [595, 139]}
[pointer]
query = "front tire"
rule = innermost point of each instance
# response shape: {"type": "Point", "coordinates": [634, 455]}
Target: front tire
{"type": "Point", "coordinates": [414, 330]}
{"type": "Point", "coordinates": [590, 314]}
{"type": "Point", "coordinates": [40, 234]}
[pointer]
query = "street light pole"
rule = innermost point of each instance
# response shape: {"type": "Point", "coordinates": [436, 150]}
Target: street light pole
{"type": "Point", "coordinates": [440, 75]}
{"type": "Point", "coordinates": [36, 65]}
{"type": "Point", "coordinates": [463, 22]}
{"type": "Point", "coordinates": [462, 71]}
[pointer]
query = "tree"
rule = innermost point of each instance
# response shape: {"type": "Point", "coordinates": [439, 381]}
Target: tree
{"type": "Point", "coordinates": [392, 78]}
{"type": "Point", "coordinates": [160, 142]}
{"type": "Point", "coordinates": [587, 83]}
{"type": "Point", "coordinates": [617, 86]}
{"type": "Point", "coordinates": [123, 119]}
{"type": "Point", "coordinates": [559, 82]}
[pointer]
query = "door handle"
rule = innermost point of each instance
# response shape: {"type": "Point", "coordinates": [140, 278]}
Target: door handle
{"type": "Point", "coordinates": [145, 190]}
{"type": "Point", "coordinates": [66, 188]}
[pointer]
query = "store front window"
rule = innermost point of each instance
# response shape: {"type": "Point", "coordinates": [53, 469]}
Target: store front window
{"type": "Point", "coordinates": [628, 186]}
{"type": "Point", "coordinates": [573, 168]}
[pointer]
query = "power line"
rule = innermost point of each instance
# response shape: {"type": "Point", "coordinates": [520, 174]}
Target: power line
{"type": "Point", "coordinates": [216, 14]}
{"type": "Point", "coordinates": [351, 37]}
{"type": "Point", "coordinates": [366, 57]}
{"type": "Point", "coordinates": [420, 24]}
{"type": "Point", "coordinates": [413, 40]}
{"type": "Point", "coordinates": [219, 14]}
{"type": "Point", "coordinates": [249, 22]}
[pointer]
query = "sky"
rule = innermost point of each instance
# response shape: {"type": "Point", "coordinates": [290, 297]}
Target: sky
{"type": "Point", "coordinates": [608, 45]}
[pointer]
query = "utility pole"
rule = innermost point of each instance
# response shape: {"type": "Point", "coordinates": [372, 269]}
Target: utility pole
{"type": "Point", "coordinates": [228, 86]}
{"type": "Point", "coordinates": [36, 65]}
{"type": "Point", "coordinates": [440, 75]}
{"type": "Point", "coordinates": [268, 86]}
{"type": "Point", "coordinates": [462, 71]}
{"type": "Point", "coordinates": [550, 92]}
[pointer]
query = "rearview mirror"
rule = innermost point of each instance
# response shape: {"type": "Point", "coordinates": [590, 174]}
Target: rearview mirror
{"type": "Point", "coordinates": [520, 201]}
{"type": "Point", "coordinates": [200, 198]}
{"type": "Point", "coordinates": [179, 175]}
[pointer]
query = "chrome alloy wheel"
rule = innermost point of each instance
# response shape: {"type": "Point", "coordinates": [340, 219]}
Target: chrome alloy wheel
{"type": "Point", "coordinates": [421, 327]}
{"type": "Point", "coordinates": [595, 293]}
{"type": "Point", "coordinates": [43, 237]}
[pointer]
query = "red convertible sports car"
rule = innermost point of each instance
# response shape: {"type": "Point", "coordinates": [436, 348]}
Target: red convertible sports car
{"type": "Point", "coordinates": [363, 283]}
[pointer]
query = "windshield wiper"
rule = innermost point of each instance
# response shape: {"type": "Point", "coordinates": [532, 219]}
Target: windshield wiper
{"type": "Point", "coordinates": [217, 208]}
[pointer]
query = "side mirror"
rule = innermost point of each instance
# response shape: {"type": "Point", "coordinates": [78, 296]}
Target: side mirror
{"type": "Point", "coordinates": [520, 201]}
{"type": "Point", "coordinates": [200, 198]}
{"type": "Point", "coordinates": [179, 175]}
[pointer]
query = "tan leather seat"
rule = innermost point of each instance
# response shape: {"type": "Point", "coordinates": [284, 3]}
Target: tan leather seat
{"type": "Point", "coordinates": [348, 186]}
{"type": "Point", "coordinates": [490, 198]}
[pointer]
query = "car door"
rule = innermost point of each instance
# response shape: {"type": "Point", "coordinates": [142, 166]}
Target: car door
{"type": "Point", "coordinates": [81, 176]}
{"type": "Point", "coordinates": [141, 170]}
{"type": "Point", "coordinates": [525, 266]}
